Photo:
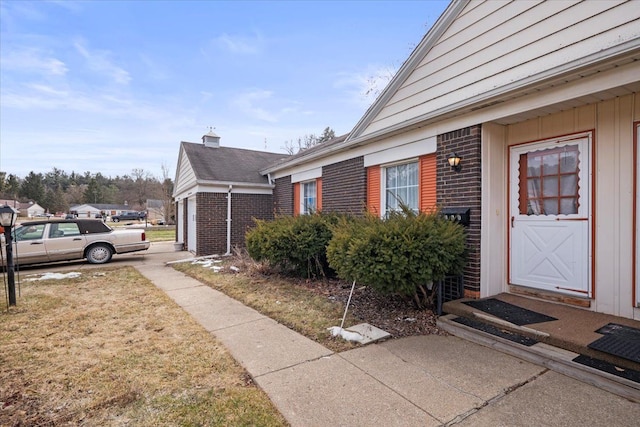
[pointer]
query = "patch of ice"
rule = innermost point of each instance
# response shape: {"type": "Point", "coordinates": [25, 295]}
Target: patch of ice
{"type": "Point", "coordinates": [234, 268]}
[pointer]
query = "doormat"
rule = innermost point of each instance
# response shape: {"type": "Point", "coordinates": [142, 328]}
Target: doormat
{"type": "Point", "coordinates": [490, 329]}
{"type": "Point", "coordinates": [619, 340]}
{"type": "Point", "coordinates": [509, 312]}
{"type": "Point", "coordinates": [609, 368]}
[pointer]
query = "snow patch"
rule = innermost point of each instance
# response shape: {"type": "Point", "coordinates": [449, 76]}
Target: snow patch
{"type": "Point", "coordinates": [55, 276]}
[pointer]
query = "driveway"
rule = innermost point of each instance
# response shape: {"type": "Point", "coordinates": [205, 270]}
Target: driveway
{"type": "Point", "coordinates": [158, 253]}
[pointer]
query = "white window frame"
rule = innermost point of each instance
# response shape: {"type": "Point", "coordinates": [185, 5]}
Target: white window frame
{"type": "Point", "coordinates": [383, 185]}
{"type": "Point", "coordinates": [304, 208]}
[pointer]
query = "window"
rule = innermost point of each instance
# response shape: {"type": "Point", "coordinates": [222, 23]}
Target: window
{"type": "Point", "coordinates": [309, 197]}
{"type": "Point", "coordinates": [552, 181]}
{"type": "Point", "coordinates": [401, 187]}
{"type": "Point", "coordinates": [29, 232]}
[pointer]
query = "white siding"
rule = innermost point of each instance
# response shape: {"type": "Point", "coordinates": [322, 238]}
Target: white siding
{"type": "Point", "coordinates": [496, 43]}
{"type": "Point", "coordinates": [185, 176]}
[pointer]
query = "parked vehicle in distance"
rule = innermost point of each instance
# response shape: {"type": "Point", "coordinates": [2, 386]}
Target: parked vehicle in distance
{"type": "Point", "coordinates": [128, 216]}
{"type": "Point", "coordinates": [55, 240]}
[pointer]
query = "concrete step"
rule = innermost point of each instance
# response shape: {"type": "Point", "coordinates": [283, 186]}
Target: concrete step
{"type": "Point", "coordinates": [552, 357]}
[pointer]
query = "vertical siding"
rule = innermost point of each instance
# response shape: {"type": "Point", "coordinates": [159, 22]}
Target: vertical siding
{"type": "Point", "coordinates": [428, 198]}
{"type": "Point", "coordinates": [373, 189]}
{"type": "Point", "coordinates": [612, 170]}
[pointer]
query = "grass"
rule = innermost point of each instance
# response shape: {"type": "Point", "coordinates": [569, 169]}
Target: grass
{"type": "Point", "coordinates": [108, 348]}
{"type": "Point", "coordinates": [295, 306]}
{"type": "Point", "coordinates": [161, 234]}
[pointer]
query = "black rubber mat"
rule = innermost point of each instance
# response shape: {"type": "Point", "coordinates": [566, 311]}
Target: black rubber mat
{"type": "Point", "coordinates": [610, 368]}
{"type": "Point", "coordinates": [490, 329]}
{"type": "Point", "coordinates": [509, 312]}
{"type": "Point", "coordinates": [619, 340]}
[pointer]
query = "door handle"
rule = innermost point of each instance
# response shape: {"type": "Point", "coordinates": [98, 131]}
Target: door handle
{"type": "Point", "coordinates": [513, 218]}
{"type": "Point", "coordinates": [37, 243]}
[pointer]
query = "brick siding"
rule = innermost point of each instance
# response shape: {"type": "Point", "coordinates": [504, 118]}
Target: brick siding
{"type": "Point", "coordinates": [463, 189]}
{"type": "Point", "coordinates": [283, 196]}
{"type": "Point", "coordinates": [211, 219]}
{"type": "Point", "coordinates": [344, 187]}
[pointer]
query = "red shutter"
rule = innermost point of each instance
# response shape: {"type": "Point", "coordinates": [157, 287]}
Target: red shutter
{"type": "Point", "coordinates": [373, 189]}
{"type": "Point", "coordinates": [428, 183]}
{"type": "Point", "coordinates": [319, 194]}
{"type": "Point", "coordinates": [296, 199]}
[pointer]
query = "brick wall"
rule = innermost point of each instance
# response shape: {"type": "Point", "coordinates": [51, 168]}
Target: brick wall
{"type": "Point", "coordinates": [211, 224]}
{"type": "Point", "coordinates": [283, 196]}
{"type": "Point", "coordinates": [344, 187]}
{"type": "Point", "coordinates": [463, 189]}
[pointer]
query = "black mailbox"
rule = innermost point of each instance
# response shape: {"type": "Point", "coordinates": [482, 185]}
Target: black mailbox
{"type": "Point", "coordinates": [459, 215]}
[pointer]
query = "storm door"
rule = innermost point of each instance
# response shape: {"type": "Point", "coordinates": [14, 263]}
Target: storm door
{"type": "Point", "coordinates": [550, 216]}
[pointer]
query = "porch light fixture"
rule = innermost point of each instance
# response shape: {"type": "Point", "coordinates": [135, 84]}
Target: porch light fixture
{"type": "Point", "coordinates": [454, 162]}
{"type": "Point", "coordinates": [8, 217]}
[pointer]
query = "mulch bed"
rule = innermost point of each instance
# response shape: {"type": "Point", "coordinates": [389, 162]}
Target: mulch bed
{"type": "Point", "coordinates": [395, 315]}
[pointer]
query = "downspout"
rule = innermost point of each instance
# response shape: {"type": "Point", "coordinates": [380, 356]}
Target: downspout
{"type": "Point", "coordinates": [229, 220]}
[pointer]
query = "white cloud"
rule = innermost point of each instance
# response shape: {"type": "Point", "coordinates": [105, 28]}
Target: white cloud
{"type": "Point", "coordinates": [99, 61]}
{"type": "Point", "coordinates": [246, 102]}
{"type": "Point", "coordinates": [34, 61]}
{"type": "Point", "coordinates": [241, 45]}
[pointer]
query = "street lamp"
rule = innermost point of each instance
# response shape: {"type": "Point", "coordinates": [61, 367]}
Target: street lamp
{"type": "Point", "coordinates": [8, 217]}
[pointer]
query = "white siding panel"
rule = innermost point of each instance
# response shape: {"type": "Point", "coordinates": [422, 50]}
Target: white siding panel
{"type": "Point", "coordinates": [507, 43]}
{"type": "Point", "coordinates": [186, 177]}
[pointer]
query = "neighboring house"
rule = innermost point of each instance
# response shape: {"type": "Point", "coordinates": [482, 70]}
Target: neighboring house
{"type": "Point", "coordinates": [99, 209]}
{"type": "Point", "coordinates": [28, 209]}
{"type": "Point", "coordinates": [218, 192]}
{"type": "Point", "coordinates": [31, 210]}
{"type": "Point", "coordinates": [541, 102]}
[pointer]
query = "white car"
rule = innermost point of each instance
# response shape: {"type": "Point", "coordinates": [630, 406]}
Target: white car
{"type": "Point", "coordinates": [54, 240]}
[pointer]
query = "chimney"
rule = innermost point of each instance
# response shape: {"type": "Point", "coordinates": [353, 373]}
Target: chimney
{"type": "Point", "coordinates": [211, 139]}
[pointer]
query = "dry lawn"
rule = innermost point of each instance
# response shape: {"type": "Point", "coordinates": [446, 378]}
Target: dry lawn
{"type": "Point", "coordinates": [110, 349]}
{"type": "Point", "coordinates": [298, 304]}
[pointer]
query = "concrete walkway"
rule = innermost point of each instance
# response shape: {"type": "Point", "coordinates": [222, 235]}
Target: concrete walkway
{"type": "Point", "coordinates": [415, 381]}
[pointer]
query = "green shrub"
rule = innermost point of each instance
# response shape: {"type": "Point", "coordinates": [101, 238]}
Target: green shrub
{"type": "Point", "coordinates": [294, 244]}
{"type": "Point", "coordinates": [403, 254]}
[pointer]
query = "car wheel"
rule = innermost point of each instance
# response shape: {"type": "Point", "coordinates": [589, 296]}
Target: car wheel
{"type": "Point", "coordinates": [99, 254]}
{"type": "Point", "coordinates": [116, 219]}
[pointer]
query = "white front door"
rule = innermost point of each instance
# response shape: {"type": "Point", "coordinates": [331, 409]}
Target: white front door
{"type": "Point", "coordinates": [191, 224]}
{"type": "Point", "coordinates": [550, 213]}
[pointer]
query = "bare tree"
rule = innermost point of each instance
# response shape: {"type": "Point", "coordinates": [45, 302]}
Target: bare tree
{"type": "Point", "coordinates": [167, 191]}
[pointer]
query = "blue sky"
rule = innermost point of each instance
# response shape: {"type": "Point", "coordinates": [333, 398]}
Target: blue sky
{"type": "Point", "coordinates": [109, 86]}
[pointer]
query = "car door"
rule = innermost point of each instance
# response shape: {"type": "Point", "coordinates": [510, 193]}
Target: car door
{"type": "Point", "coordinates": [64, 242]}
{"type": "Point", "coordinates": [29, 244]}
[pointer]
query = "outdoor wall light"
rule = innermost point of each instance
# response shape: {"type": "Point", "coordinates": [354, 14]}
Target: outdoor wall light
{"type": "Point", "coordinates": [454, 162]}
{"type": "Point", "coordinates": [8, 217]}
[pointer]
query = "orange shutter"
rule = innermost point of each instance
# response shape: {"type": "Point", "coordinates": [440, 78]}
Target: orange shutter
{"type": "Point", "coordinates": [296, 199]}
{"type": "Point", "coordinates": [373, 189]}
{"type": "Point", "coordinates": [428, 183]}
{"type": "Point", "coordinates": [319, 194]}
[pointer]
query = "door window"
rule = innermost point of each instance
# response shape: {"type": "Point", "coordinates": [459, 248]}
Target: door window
{"type": "Point", "coordinates": [549, 181]}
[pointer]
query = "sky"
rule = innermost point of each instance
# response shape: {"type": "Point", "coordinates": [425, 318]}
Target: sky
{"type": "Point", "coordinates": [110, 86]}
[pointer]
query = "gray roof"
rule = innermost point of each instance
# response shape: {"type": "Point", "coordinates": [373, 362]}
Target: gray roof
{"type": "Point", "coordinates": [229, 164]}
